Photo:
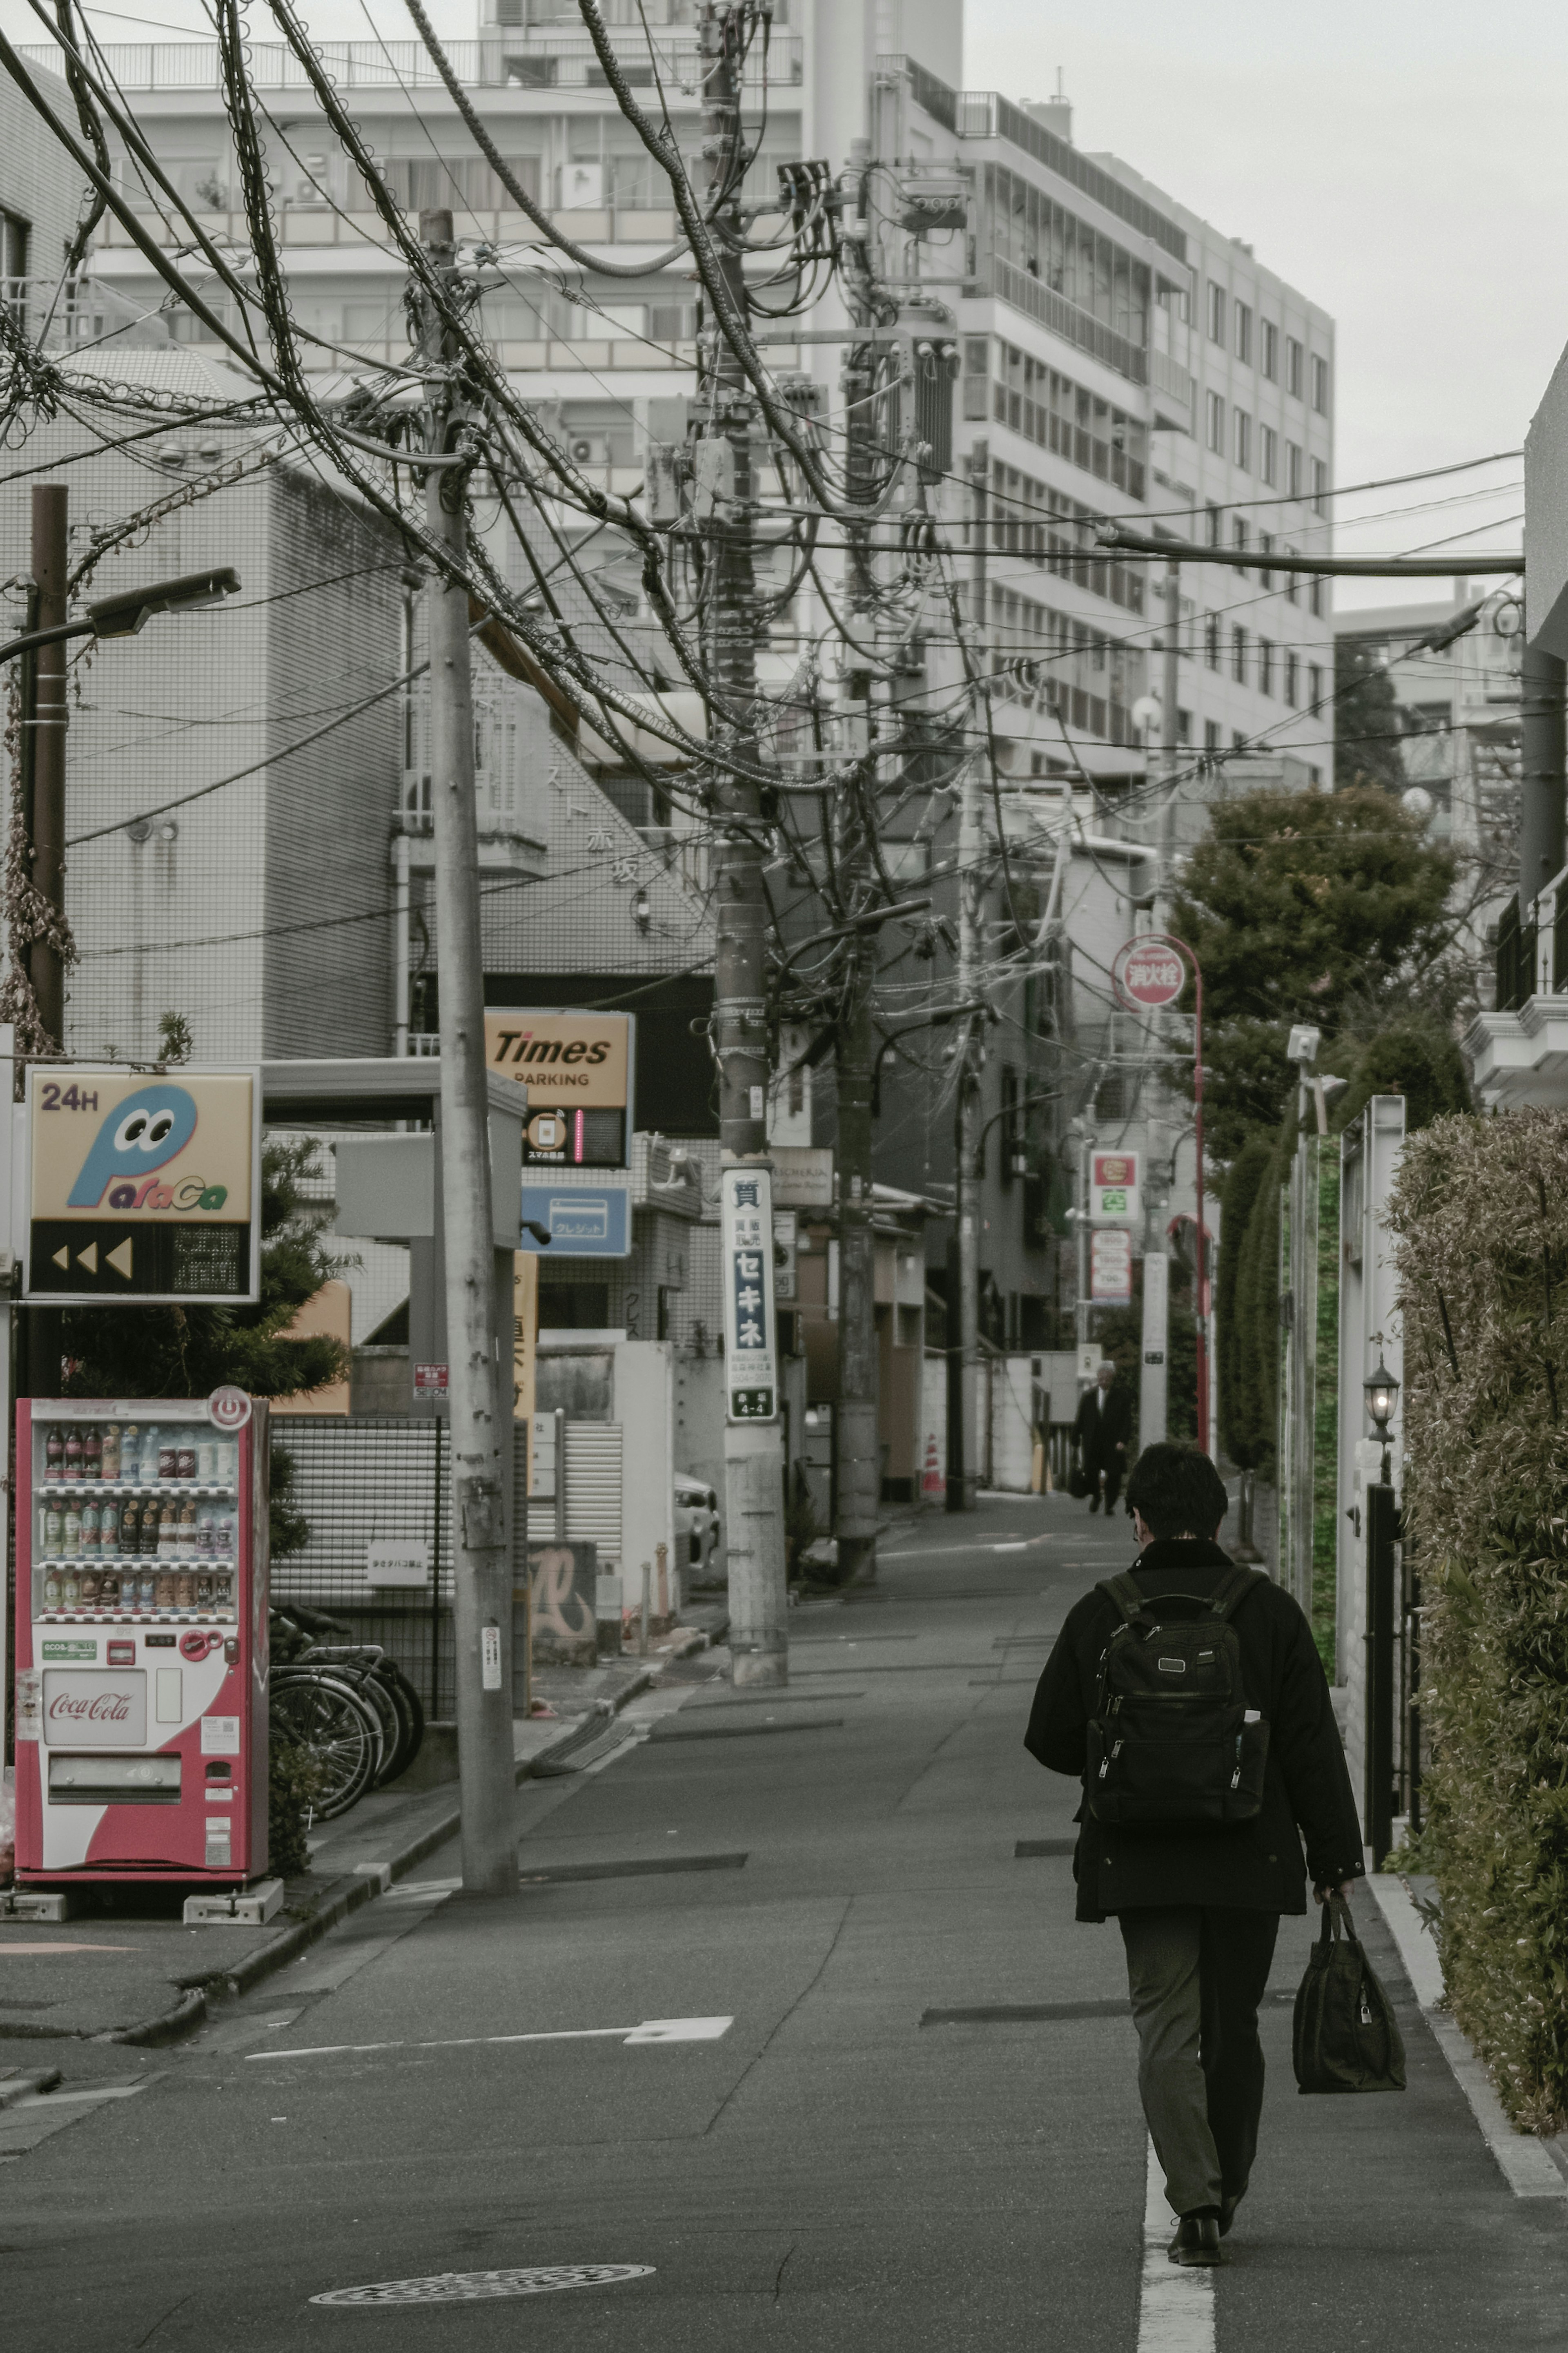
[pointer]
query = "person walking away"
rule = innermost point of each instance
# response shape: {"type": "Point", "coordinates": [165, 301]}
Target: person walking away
{"type": "Point", "coordinates": [1194, 1814]}
{"type": "Point", "coordinates": [1103, 1430]}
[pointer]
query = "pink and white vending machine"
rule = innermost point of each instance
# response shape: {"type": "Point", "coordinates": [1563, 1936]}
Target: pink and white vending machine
{"type": "Point", "coordinates": [142, 1589]}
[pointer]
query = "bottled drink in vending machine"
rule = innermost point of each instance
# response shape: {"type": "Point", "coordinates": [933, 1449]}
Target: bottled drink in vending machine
{"type": "Point", "coordinates": [71, 1534]}
{"type": "Point", "coordinates": [51, 1589]}
{"type": "Point", "coordinates": [152, 1520]}
{"type": "Point", "coordinates": [129, 1454]}
{"type": "Point", "coordinates": [108, 1528]}
{"type": "Point", "coordinates": [109, 1468]}
{"type": "Point", "coordinates": [70, 1588]}
{"type": "Point", "coordinates": [92, 1453]}
{"type": "Point", "coordinates": [54, 1452]}
{"type": "Point", "coordinates": [73, 1453]}
{"type": "Point", "coordinates": [147, 1474]}
{"type": "Point", "coordinates": [53, 1530]}
{"type": "Point", "coordinates": [91, 1529]}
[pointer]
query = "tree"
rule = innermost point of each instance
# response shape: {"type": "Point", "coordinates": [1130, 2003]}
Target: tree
{"type": "Point", "coordinates": [1296, 905]}
{"type": "Point", "coordinates": [188, 1352]}
{"type": "Point", "coordinates": [1415, 1058]}
{"type": "Point", "coordinates": [1370, 723]}
{"type": "Point", "coordinates": [1246, 1435]}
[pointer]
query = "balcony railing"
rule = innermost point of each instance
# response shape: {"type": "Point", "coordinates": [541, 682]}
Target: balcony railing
{"type": "Point", "coordinates": [1064, 319]}
{"type": "Point", "coordinates": [532, 57]}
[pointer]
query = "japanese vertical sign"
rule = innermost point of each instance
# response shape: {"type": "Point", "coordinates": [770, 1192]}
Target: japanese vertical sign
{"type": "Point", "coordinates": [751, 1367]}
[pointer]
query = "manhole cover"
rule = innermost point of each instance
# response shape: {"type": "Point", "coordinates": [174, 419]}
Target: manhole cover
{"type": "Point", "coordinates": [467, 2287]}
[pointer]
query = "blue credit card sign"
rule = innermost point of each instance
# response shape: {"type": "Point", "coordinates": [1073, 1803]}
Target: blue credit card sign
{"type": "Point", "coordinates": [590, 1221]}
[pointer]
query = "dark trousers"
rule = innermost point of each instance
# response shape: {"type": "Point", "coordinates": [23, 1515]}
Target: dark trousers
{"type": "Point", "coordinates": [1196, 1974]}
{"type": "Point", "coordinates": [1113, 1465]}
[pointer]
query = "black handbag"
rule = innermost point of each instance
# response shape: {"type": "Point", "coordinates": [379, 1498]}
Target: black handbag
{"type": "Point", "coordinates": [1345, 2037]}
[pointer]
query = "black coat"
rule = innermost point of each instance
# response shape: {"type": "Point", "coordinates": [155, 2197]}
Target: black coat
{"type": "Point", "coordinates": [1101, 1430]}
{"type": "Point", "coordinates": [1256, 1866]}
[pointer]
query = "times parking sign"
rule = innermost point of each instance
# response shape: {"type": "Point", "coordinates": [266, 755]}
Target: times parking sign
{"type": "Point", "coordinates": [750, 1344]}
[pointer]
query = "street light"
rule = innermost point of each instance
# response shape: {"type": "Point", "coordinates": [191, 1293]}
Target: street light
{"type": "Point", "coordinates": [125, 614]}
{"type": "Point", "coordinates": [1382, 1396]}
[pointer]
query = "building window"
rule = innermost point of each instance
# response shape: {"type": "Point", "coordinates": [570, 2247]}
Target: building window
{"type": "Point", "coordinates": [1293, 362]}
{"type": "Point", "coordinates": [1266, 549]}
{"type": "Point", "coordinates": [1211, 641]}
{"type": "Point", "coordinates": [1319, 384]}
{"type": "Point", "coordinates": [1242, 445]}
{"type": "Point", "coordinates": [16, 238]}
{"type": "Point", "coordinates": [1314, 685]}
{"type": "Point", "coordinates": [1265, 666]}
{"type": "Point", "coordinates": [1238, 656]}
{"type": "Point", "coordinates": [1211, 735]}
{"type": "Point", "coordinates": [1293, 583]}
{"type": "Point", "coordinates": [1184, 725]}
{"type": "Point", "coordinates": [1293, 469]}
{"type": "Point", "coordinates": [1317, 594]}
{"type": "Point", "coordinates": [1212, 519]}
{"type": "Point", "coordinates": [1217, 314]}
{"type": "Point", "coordinates": [1243, 332]}
{"type": "Point", "coordinates": [1238, 740]}
{"type": "Point", "coordinates": [1268, 350]}
{"type": "Point", "coordinates": [1320, 486]}
{"type": "Point", "coordinates": [1238, 541]}
{"type": "Point", "coordinates": [1267, 453]}
{"type": "Point", "coordinates": [1217, 422]}
{"type": "Point", "coordinates": [1292, 677]}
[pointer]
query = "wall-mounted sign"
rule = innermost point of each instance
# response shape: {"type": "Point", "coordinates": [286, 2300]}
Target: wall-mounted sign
{"type": "Point", "coordinates": [143, 1189]}
{"type": "Point", "coordinates": [1111, 1267]}
{"type": "Point", "coordinates": [803, 1176]}
{"type": "Point", "coordinates": [587, 1220]}
{"type": "Point", "coordinates": [407, 1562]}
{"type": "Point", "coordinates": [751, 1364]}
{"type": "Point", "coordinates": [430, 1380]}
{"type": "Point", "coordinates": [577, 1068]}
{"type": "Point", "coordinates": [1114, 1198]}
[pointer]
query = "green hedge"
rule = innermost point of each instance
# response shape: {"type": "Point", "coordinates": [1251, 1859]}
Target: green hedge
{"type": "Point", "coordinates": [1481, 1213]}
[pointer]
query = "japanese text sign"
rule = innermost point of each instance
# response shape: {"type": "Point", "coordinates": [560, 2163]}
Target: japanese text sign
{"type": "Point", "coordinates": [751, 1346]}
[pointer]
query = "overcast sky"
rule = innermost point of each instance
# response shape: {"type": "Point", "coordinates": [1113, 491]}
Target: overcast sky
{"type": "Point", "coordinates": [1402, 162]}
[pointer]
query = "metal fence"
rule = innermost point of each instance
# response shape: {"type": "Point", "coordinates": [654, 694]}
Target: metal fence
{"type": "Point", "coordinates": [379, 1479]}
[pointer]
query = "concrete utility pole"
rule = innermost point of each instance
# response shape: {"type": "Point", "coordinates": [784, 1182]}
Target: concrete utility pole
{"type": "Point", "coordinates": [481, 1562]}
{"type": "Point", "coordinates": [758, 1591]}
{"type": "Point", "coordinates": [1154, 1371]}
{"type": "Point", "coordinates": [45, 722]}
{"type": "Point", "coordinates": [858, 1486]}
{"type": "Point", "coordinates": [963, 1344]}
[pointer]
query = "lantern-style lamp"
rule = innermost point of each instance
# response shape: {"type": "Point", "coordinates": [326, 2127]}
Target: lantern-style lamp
{"type": "Point", "coordinates": [1382, 1396]}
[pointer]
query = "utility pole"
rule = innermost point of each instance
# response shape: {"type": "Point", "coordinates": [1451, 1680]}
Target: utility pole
{"type": "Point", "coordinates": [963, 1346]}
{"type": "Point", "coordinates": [1154, 1371]}
{"type": "Point", "coordinates": [753, 1482]}
{"type": "Point", "coordinates": [481, 1563]}
{"type": "Point", "coordinates": [45, 722]}
{"type": "Point", "coordinates": [858, 1485]}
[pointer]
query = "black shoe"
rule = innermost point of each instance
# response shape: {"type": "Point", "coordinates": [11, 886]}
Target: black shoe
{"type": "Point", "coordinates": [1094, 1503]}
{"type": "Point", "coordinates": [1196, 2240]}
{"type": "Point", "coordinates": [1227, 2206]}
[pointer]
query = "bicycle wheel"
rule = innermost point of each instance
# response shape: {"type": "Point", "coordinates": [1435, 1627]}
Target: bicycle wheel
{"type": "Point", "coordinates": [405, 1700]}
{"type": "Point", "coordinates": [375, 1695]}
{"type": "Point", "coordinates": [330, 1720]}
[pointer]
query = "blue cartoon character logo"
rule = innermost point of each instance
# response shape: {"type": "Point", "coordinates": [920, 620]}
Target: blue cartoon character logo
{"type": "Point", "coordinates": [142, 1133]}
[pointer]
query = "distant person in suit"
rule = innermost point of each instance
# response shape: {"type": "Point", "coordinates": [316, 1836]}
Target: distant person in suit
{"type": "Point", "coordinates": [1104, 1431]}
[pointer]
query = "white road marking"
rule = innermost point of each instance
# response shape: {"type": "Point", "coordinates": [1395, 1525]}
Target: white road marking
{"type": "Point", "coordinates": [652, 2029]}
{"type": "Point", "coordinates": [1175, 2308]}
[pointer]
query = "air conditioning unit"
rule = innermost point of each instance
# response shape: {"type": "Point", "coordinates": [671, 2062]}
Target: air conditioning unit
{"type": "Point", "coordinates": [590, 449]}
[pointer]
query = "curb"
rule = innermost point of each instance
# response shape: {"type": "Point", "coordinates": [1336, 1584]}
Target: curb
{"type": "Point", "coordinates": [1528, 2165]}
{"type": "Point", "coordinates": [351, 1889]}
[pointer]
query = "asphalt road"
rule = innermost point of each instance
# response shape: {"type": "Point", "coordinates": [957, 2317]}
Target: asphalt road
{"type": "Point", "coordinates": [835, 2170]}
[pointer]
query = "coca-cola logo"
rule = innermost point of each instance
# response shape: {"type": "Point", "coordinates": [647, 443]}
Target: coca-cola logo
{"type": "Point", "coordinates": [96, 1707]}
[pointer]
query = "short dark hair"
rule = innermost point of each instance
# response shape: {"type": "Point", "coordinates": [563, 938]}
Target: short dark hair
{"type": "Point", "coordinates": [1178, 1491]}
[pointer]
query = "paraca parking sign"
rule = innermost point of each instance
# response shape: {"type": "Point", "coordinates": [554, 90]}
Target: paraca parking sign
{"type": "Point", "coordinates": [143, 1189]}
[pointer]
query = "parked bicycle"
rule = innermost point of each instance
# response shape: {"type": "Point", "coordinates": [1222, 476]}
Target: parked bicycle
{"type": "Point", "coordinates": [347, 1703]}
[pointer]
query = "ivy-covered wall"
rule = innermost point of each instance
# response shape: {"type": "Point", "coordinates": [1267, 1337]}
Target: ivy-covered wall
{"type": "Point", "coordinates": [1480, 1210]}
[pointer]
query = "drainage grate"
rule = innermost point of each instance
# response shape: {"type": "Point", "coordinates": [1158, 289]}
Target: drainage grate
{"type": "Point", "coordinates": [745, 1731]}
{"type": "Point", "coordinates": [1045, 1846]}
{"type": "Point", "coordinates": [655, 1865]}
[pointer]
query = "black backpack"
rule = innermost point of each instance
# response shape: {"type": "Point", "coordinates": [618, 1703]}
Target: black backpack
{"type": "Point", "coordinates": [1172, 1744]}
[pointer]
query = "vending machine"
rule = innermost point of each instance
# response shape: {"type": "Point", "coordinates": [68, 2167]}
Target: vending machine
{"type": "Point", "coordinates": [142, 1592]}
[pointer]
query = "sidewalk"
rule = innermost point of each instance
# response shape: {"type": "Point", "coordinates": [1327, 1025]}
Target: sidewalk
{"type": "Point", "coordinates": [117, 1974]}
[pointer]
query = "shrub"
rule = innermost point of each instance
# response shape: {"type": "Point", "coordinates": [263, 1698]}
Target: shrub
{"type": "Point", "coordinates": [1480, 1210]}
{"type": "Point", "coordinates": [295, 1780]}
